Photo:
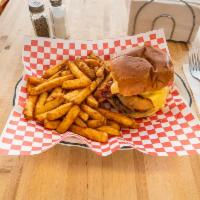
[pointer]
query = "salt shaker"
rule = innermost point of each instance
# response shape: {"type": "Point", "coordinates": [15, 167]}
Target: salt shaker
{"type": "Point", "coordinates": [58, 19]}
{"type": "Point", "coordinates": [39, 18]}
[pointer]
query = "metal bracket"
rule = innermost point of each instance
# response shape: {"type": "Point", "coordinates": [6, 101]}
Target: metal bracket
{"type": "Point", "coordinates": [165, 16]}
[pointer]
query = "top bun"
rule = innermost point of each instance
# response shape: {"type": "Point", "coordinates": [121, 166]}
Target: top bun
{"type": "Point", "coordinates": [143, 69]}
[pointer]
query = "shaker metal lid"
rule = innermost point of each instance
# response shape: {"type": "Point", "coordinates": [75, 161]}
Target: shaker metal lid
{"type": "Point", "coordinates": [56, 3]}
{"type": "Point", "coordinates": [36, 6]}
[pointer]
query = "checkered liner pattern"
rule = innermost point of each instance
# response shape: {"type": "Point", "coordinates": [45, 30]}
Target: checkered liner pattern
{"type": "Point", "coordinates": [172, 131]}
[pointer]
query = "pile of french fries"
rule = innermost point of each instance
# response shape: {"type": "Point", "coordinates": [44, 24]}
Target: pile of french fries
{"type": "Point", "coordinates": [63, 99]}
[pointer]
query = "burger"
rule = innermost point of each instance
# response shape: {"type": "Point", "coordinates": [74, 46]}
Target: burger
{"type": "Point", "coordinates": [138, 81]}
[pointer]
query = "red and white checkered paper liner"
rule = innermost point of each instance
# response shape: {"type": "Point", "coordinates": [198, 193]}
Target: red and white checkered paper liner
{"type": "Point", "coordinates": [172, 131]}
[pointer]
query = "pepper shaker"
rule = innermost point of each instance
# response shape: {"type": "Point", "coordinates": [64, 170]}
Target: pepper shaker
{"type": "Point", "coordinates": [39, 18]}
{"type": "Point", "coordinates": [58, 19]}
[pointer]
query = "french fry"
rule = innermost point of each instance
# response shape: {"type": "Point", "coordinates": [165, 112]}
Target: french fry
{"type": "Point", "coordinates": [94, 114]}
{"type": "Point", "coordinates": [70, 96]}
{"type": "Point", "coordinates": [53, 104]}
{"type": "Point", "coordinates": [83, 115]}
{"type": "Point", "coordinates": [99, 80]}
{"type": "Point", "coordinates": [52, 70]}
{"type": "Point", "coordinates": [41, 117]}
{"type": "Point", "coordinates": [48, 85]}
{"type": "Point", "coordinates": [35, 80]}
{"type": "Point", "coordinates": [86, 69]}
{"type": "Point", "coordinates": [84, 93]}
{"type": "Point", "coordinates": [68, 119]}
{"type": "Point", "coordinates": [58, 95]}
{"type": "Point", "coordinates": [77, 72]}
{"type": "Point", "coordinates": [29, 87]}
{"type": "Point", "coordinates": [100, 71]}
{"type": "Point", "coordinates": [119, 118]}
{"type": "Point", "coordinates": [52, 125]}
{"type": "Point", "coordinates": [30, 106]}
{"type": "Point", "coordinates": [39, 108]}
{"type": "Point", "coordinates": [109, 130]}
{"type": "Point", "coordinates": [89, 133]}
{"type": "Point", "coordinates": [56, 75]}
{"type": "Point", "coordinates": [55, 91]}
{"type": "Point", "coordinates": [66, 72]}
{"type": "Point", "coordinates": [79, 122]}
{"type": "Point", "coordinates": [59, 111]}
{"type": "Point", "coordinates": [75, 84]}
{"type": "Point", "coordinates": [92, 62]}
{"type": "Point", "coordinates": [93, 123]}
{"type": "Point", "coordinates": [107, 65]}
{"type": "Point", "coordinates": [113, 124]}
{"type": "Point", "coordinates": [92, 102]}
{"type": "Point", "coordinates": [93, 56]}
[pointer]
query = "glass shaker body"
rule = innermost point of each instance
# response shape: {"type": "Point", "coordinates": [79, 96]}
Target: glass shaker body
{"type": "Point", "coordinates": [59, 21]}
{"type": "Point", "coordinates": [39, 18]}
